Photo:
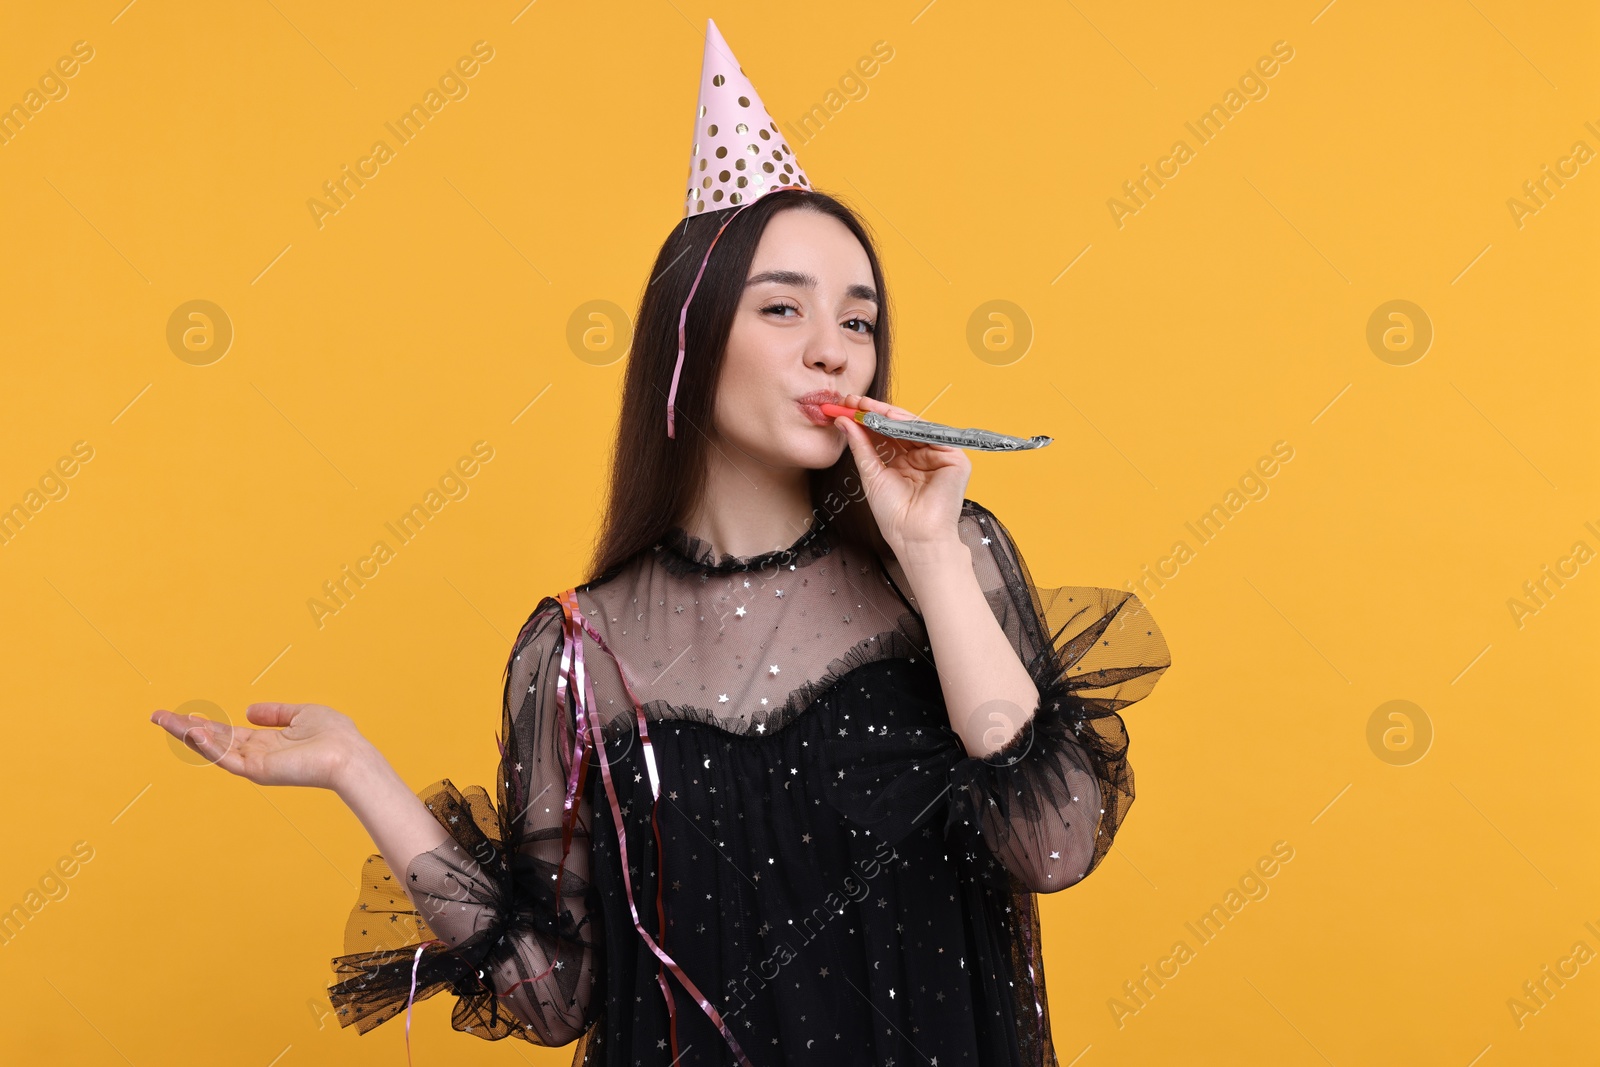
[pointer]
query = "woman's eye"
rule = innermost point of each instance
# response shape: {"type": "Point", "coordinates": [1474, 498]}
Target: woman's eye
{"type": "Point", "coordinates": [779, 309]}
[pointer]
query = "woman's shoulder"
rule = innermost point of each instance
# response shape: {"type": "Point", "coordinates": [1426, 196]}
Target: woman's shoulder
{"type": "Point", "coordinates": [542, 625]}
{"type": "Point", "coordinates": [550, 611]}
{"type": "Point", "coordinates": [598, 601]}
{"type": "Point", "coordinates": [590, 596]}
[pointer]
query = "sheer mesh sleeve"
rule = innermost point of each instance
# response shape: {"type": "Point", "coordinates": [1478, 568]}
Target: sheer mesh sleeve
{"type": "Point", "coordinates": [1048, 803]}
{"type": "Point", "coordinates": [521, 962]}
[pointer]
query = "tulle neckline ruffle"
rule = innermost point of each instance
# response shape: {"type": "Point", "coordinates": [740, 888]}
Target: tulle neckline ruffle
{"type": "Point", "coordinates": [683, 552]}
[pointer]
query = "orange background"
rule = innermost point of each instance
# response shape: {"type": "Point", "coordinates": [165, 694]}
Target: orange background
{"type": "Point", "coordinates": [1169, 349]}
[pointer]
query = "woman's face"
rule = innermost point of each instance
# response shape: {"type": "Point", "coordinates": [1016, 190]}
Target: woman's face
{"type": "Point", "coordinates": [804, 326]}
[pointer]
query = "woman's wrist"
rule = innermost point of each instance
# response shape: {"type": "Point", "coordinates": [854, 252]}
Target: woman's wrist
{"type": "Point", "coordinates": [362, 768]}
{"type": "Point", "coordinates": [399, 823]}
{"type": "Point", "coordinates": [930, 561]}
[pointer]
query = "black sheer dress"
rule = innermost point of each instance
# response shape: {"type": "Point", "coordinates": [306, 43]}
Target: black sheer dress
{"type": "Point", "coordinates": [825, 864]}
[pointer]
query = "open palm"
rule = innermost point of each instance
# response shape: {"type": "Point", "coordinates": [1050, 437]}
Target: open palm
{"type": "Point", "coordinates": [307, 745]}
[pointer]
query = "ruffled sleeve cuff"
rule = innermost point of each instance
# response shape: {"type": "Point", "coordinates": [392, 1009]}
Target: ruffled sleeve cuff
{"type": "Point", "coordinates": [1050, 800]}
{"type": "Point", "coordinates": [485, 909]}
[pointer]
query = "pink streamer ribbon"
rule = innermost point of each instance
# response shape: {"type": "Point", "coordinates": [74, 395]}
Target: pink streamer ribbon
{"type": "Point", "coordinates": [588, 734]}
{"type": "Point", "coordinates": [412, 996]}
{"type": "Point", "coordinates": [683, 313]}
{"type": "Point", "coordinates": [589, 727]}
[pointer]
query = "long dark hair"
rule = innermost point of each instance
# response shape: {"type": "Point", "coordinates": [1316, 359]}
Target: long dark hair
{"type": "Point", "coordinates": [656, 480]}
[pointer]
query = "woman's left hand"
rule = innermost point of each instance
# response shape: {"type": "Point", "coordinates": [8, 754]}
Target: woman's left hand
{"type": "Point", "coordinates": [915, 490]}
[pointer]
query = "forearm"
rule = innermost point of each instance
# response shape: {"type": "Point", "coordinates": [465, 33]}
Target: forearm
{"type": "Point", "coordinates": [399, 823]}
{"type": "Point", "coordinates": [987, 688]}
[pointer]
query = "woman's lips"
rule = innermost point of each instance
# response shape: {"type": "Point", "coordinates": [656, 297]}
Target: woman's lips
{"type": "Point", "coordinates": [815, 406]}
{"type": "Point", "coordinates": [815, 413]}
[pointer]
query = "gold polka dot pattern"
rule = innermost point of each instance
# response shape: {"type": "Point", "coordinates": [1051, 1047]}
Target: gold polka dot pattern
{"type": "Point", "coordinates": [733, 132]}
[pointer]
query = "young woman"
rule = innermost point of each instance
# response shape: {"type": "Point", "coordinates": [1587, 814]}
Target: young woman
{"type": "Point", "coordinates": [845, 738]}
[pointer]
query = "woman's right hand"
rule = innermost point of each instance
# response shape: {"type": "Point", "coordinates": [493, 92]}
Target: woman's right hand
{"type": "Point", "coordinates": [314, 745]}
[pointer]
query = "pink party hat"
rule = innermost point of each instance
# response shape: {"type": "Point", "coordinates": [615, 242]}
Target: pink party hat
{"type": "Point", "coordinates": [738, 153]}
{"type": "Point", "coordinates": [738, 156]}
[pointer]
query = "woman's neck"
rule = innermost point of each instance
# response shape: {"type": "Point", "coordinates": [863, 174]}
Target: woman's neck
{"type": "Point", "coordinates": [745, 513]}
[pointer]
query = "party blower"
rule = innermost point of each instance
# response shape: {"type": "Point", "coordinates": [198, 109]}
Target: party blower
{"type": "Point", "coordinates": [934, 433]}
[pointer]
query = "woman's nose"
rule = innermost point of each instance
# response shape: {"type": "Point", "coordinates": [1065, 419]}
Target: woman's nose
{"type": "Point", "coordinates": [827, 350]}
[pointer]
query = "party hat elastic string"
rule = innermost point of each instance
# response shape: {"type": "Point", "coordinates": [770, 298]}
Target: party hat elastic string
{"type": "Point", "coordinates": [683, 313]}
{"type": "Point", "coordinates": [737, 156]}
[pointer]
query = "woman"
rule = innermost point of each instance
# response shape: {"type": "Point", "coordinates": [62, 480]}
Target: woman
{"type": "Point", "coordinates": [874, 738]}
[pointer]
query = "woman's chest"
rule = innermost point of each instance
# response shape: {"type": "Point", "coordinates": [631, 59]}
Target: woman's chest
{"type": "Point", "coordinates": [866, 760]}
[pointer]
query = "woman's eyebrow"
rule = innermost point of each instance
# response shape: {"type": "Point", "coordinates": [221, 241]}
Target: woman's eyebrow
{"type": "Point", "coordinates": [807, 281]}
